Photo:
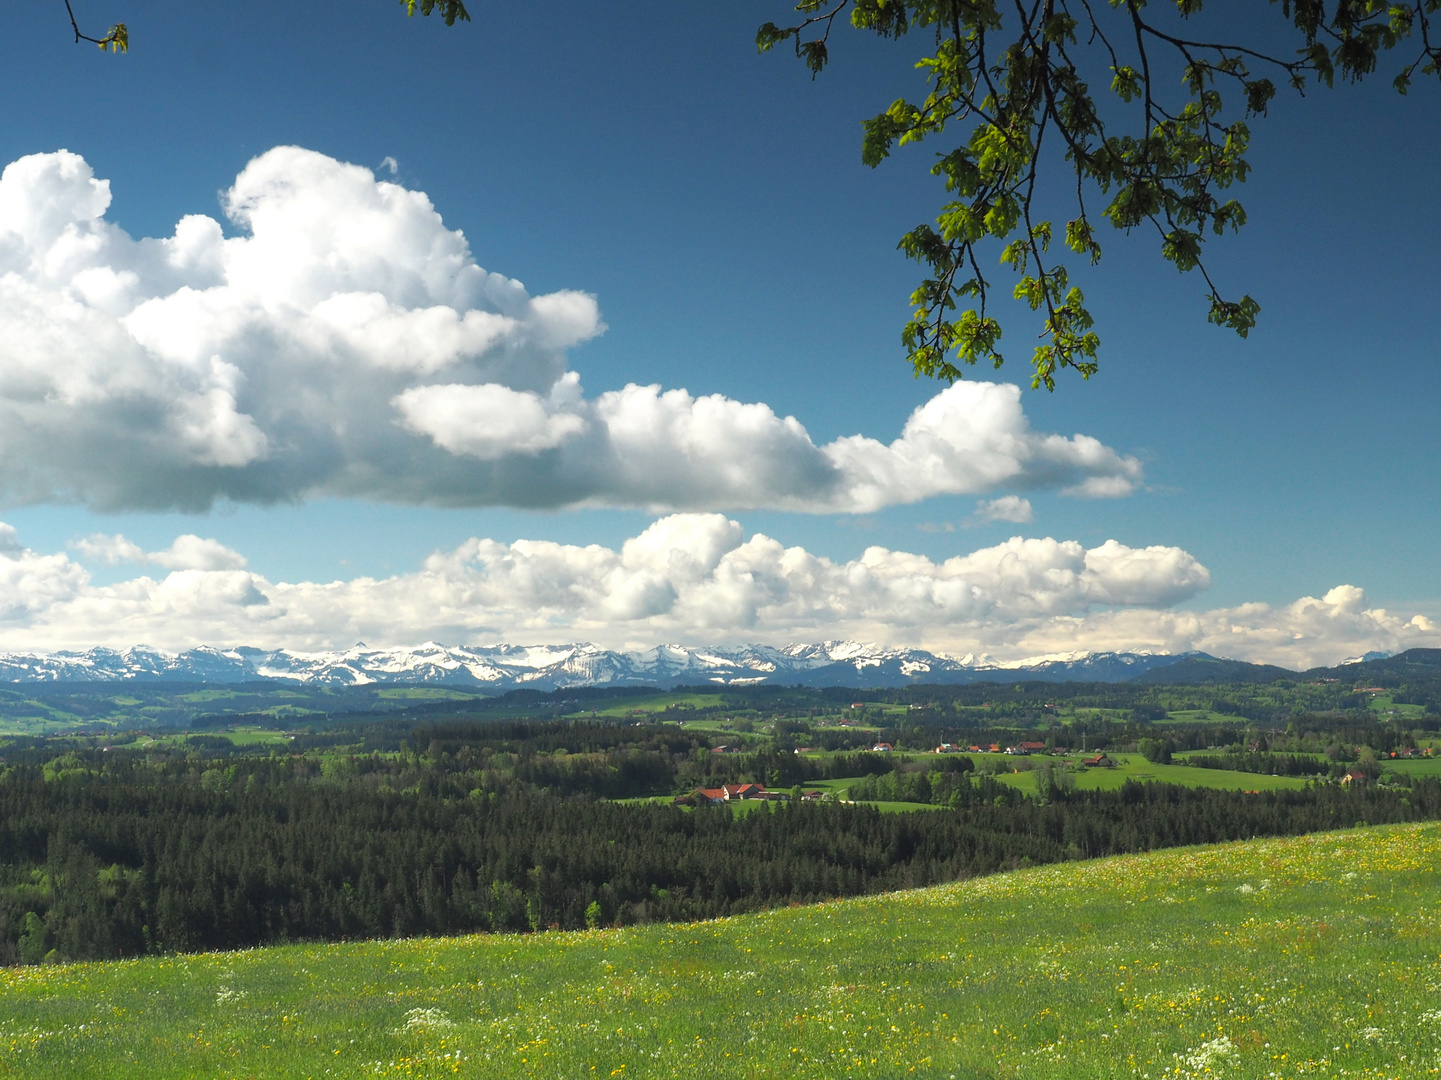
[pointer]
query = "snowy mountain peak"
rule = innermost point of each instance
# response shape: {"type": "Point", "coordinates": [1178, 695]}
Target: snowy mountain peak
{"type": "Point", "coordinates": [504, 667]}
{"type": "Point", "coordinates": [1364, 657]}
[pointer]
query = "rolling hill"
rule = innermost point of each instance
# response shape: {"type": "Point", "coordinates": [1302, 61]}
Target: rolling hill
{"type": "Point", "coordinates": [1306, 957]}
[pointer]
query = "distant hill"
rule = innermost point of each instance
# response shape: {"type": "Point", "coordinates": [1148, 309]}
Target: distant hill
{"type": "Point", "coordinates": [1201, 670]}
{"type": "Point", "coordinates": [1388, 670]}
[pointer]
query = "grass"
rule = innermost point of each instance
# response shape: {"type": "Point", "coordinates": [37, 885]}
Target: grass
{"type": "Point", "coordinates": [248, 736]}
{"type": "Point", "coordinates": [886, 806]}
{"type": "Point", "coordinates": [1414, 766]}
{"type": "Point", "coordinates": [1307, 957]}
{"type": "Point", "coordinates": [646, 703]}
{"type": "Point", "coordinates": [1382, 703]}
{"type": "Point", "coordinates": [1135, 767]}
{"type": "Point", "coordinates": [253, 736]}
{"type": "Point", "coordinates": [429, 693]}
{"type": "Point", "coordinates": [1203, 716]}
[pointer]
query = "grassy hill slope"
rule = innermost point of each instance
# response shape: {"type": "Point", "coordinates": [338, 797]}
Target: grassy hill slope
{"type": "Point", "coordinates": [1315, 956]}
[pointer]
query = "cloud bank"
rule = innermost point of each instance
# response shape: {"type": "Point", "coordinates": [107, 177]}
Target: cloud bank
{"type": "Point", "coordinates": [695, 578]}
{"type": "Point", "coordinates": [344, 342]}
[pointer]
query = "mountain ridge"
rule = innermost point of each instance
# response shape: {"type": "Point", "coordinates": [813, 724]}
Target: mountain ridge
{"type": "Point", "coordinates": [503, 667]}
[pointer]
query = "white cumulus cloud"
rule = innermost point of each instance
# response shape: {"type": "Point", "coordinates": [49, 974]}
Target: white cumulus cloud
{"type": "Point", "coordinates": [686, 575]}
{"type": "Point", "coordinates": [344, 342]}
{"type": "Point", "coordinates": [1309, 632]}
{"type": "Point", "coordinates": [691, 577]}
{"type": "Point", "coordinates": [187, 552]}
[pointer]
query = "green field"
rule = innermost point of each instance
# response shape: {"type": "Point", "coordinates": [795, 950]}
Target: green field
{"type": "Point", "coordinates": [1318, 956]}
{"type": "Point", "coordinates": [646, 703]}
{"type": "Point", "coordinates": [1128, 767]}
{"type": "Point", "coordinates": [1415, 766]}
{"type": "Point", "coordinates": [1384, 705]}
{"type": "Point", "coordinates": [1135, 767]}
{"type": "Point", "coordinates": [1203, 716]}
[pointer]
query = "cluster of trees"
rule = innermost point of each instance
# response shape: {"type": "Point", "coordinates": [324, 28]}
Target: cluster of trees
{"type": "Point", "coordinates": [121, 853]}
{"type": "Point", "coordinates": [1269, 764]}
{"type": "Point", "coordinates": [946, 784]}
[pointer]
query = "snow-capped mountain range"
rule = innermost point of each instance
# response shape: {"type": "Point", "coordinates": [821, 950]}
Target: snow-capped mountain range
{"type": "Point", "coordinates": [549, 667]}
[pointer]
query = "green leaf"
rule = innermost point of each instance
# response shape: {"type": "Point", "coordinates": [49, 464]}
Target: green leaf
{"type": "Point", "coordinates": [117, 41]}
{"type": "Point", "coordinates": [450, 10]}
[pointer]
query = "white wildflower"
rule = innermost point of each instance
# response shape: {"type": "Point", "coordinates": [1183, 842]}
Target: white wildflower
{"type": "Point", "coordinates": [417, 1019]}
{"type": "Point", "coordinates": [1209, 1056]}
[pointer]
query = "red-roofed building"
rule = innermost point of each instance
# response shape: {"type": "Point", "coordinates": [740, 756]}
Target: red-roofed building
{"type": "Point", "coordinates": [732, 792]}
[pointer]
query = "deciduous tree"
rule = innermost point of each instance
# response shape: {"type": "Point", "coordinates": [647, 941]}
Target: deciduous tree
{"type": "Point", "coordinates": [1009, 92]}
{"type": "Point", "coordinates": [117, 38]}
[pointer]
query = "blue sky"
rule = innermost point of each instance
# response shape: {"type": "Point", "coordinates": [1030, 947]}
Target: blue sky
{"type": "Point", "coordinates": [713, 203]}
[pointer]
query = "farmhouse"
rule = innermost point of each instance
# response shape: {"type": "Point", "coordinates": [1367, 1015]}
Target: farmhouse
{"type": "Point", "coordinates": [1098, 761]}
{"type": "Point", "coordinates": [1021, 749]}
{"type": "Point", "coordinates": [882, 748]}
{"type": "Point", "coordinates": [733, 792]}
{"type": "Point", "coordinates": [948, 748]}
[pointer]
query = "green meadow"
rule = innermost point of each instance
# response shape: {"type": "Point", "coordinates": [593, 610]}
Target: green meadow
{"type": "Point", "coordinates": [1135, 767]}
{"type": "Point", "coordinates": [646, 703]}
{"type": "Point", "coordinates": [1317, 956]}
